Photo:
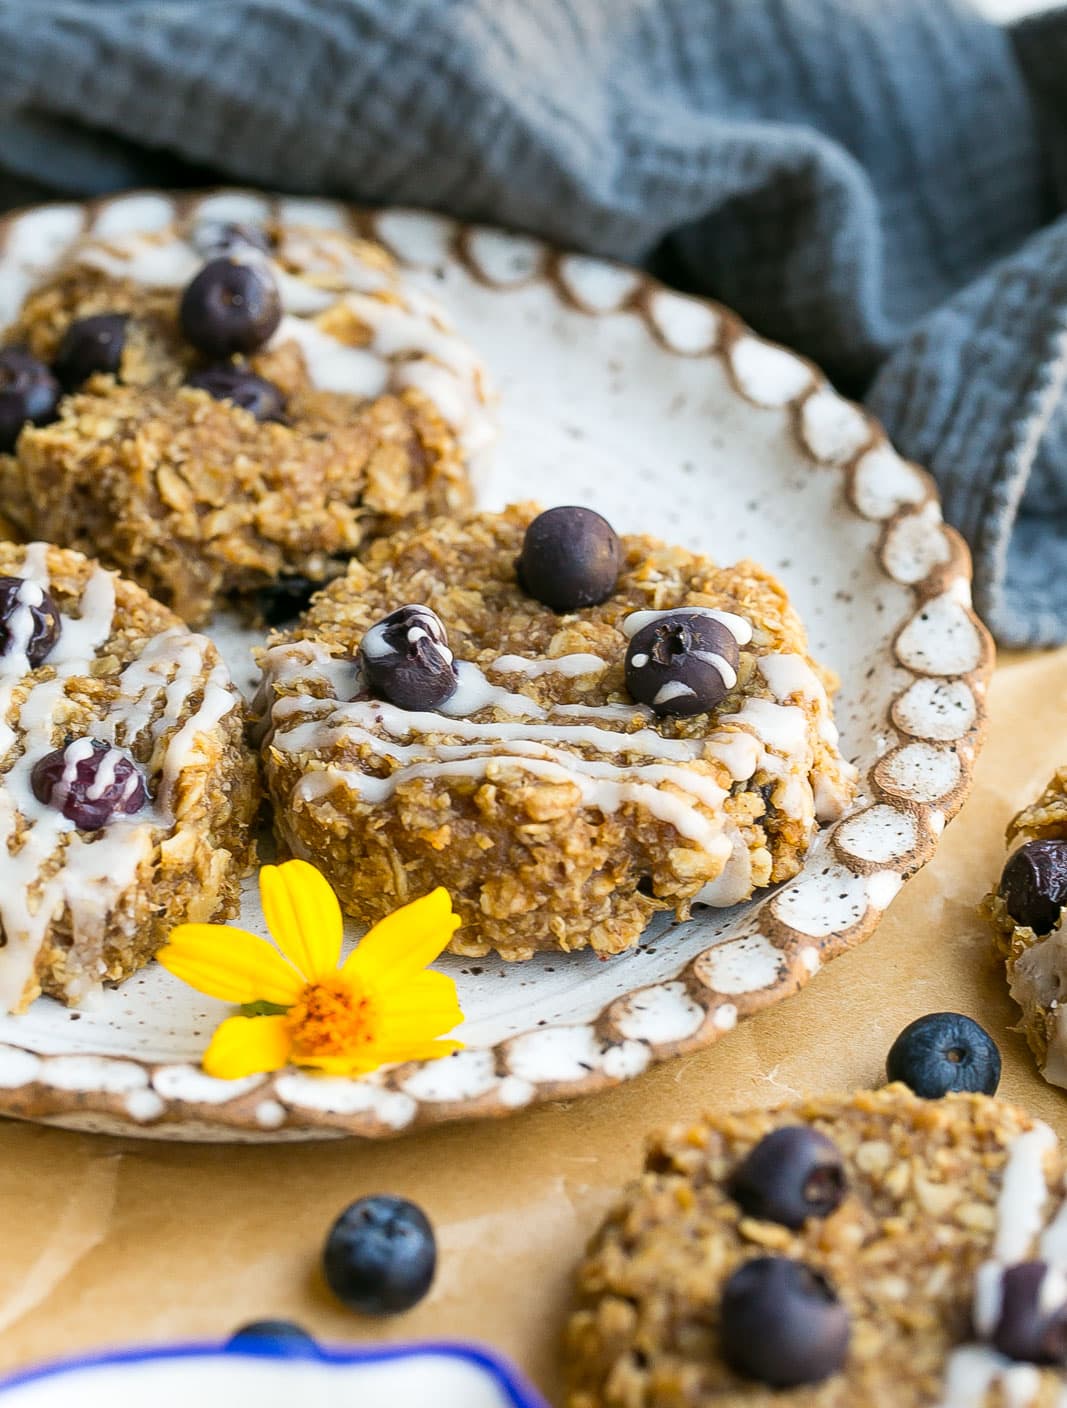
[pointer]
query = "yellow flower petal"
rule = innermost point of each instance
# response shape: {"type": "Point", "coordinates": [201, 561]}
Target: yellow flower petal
{"type": "Point", "coordinates": [403, 943]}
{"type": "Point", "coordinates": [231, 964]}
{"type": "Point", "coordinates": [247, 1046]}
{"type": "Point", "coordinates": [303, 916]}
{"type": "Point", "coordinates": [374, 1057]}
{"type": "Point", "coordinates": [426, 1006]}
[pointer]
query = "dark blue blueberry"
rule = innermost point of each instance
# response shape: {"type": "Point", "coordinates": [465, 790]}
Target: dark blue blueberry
{"type": "Point", "coordinates": [29, 619]}
{"type": "Point", "coordinates": [792, 1174]}
{"type": "Point", "coordinates": [283, 1337]}
{"type": "Point", "coordinates": [1034, 884]}
{"type": "Point", "coordinates": [1032, 1321]}
{"type": "Point", "coordinates": [90, 782]}
{"type": "Point", "coordinates": [406, 660]}
{"type": "Point", "coordinates": [683, 663]}
{"type": "Point", "coordinates": [942, 1053]}
{"type": "Point", "coordinates": [229, 383]}
{"type": "Point", "coordinates": [782, 1324]}
{"type": "Point", "coordinates": [380, 1256]}
{"type": "Point", "coordinates": [570, 558]}
{"type": "Point", "coordinates": [91, 345]}
{"type": "Point", "coordinates": [28, 392]}
{"type": "Point", "coordinates": [285, 599]}
{"type": "Point", "coordinates": [230, 307]}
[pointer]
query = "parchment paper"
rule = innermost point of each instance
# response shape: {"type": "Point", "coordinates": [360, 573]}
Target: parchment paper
{"type": "Point", "coordinates": [109, 1241]}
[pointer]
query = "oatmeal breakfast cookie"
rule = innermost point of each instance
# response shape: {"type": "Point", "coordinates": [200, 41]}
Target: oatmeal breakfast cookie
{"type": "Point", "coordinates": [1027, 914]}
{"type": "Point", "coordinates": [219, 410]}
{"type": "Point", "coordinates": [867, 1251]}
{"type": "Point", "coordinates": [127, 793]}
{"type": "Point", "coordinates": [656, 737]}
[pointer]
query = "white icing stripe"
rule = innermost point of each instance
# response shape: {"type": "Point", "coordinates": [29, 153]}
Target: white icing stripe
{"type": "Point", "coordinates": [973, 1371]}
{"type": "Point", "coordinates": [735, 882]}
{"type": "Point", "coordinates": [403, 723]}
{"type": "Point", "coordinates": [726, 671]}
{"type": "Point", "coordinates": [331, 365]}
{"type": "Point", "coordinates": [606, 795]}
{"type": "Point", "coordinates": [411, 342]}
{"type": "Point", "coordinates": [1023, 1194]}
{"type": "Point", "coordinates": [572, 666]}
{"type": "Point", "coordinates": [595, 747]}
{"type": "Point", "coordinates": [739, 628]}
{"type": "Point", "coordinates": [94, 870]}
{"type": "Point", "coordinates": [790, 675]}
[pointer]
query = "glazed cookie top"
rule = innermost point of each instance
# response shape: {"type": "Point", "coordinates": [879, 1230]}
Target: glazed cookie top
{"type": "Point", "coordinates": [877, 1248]}
{"type": "Point", "coordinates": [477, 666]}
{"type": "Point", "coordinates": [340, 303]}
{"type": "Point", "coordinates": [105, 698]}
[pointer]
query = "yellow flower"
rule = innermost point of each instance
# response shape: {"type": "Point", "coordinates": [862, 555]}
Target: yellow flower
{"type": "Point", "coordinates": [380, 1006]}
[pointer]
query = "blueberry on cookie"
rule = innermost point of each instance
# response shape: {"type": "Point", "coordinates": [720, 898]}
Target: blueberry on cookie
{"type": "Point", "coordinates": [29, 394]}
{"type": "Point", "coordinates": [570, 558]}
{"type": "Point", "coordinates": [230, 307]}
{"type": "Point", "coordinates": [89, 346]}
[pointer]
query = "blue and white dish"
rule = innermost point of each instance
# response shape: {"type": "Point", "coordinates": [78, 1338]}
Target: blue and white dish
{"type": "Point", "coordinates": [269, 1374]}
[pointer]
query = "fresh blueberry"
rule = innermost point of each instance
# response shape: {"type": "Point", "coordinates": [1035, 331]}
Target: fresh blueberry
{"type": "Point", "coordinates": [90, 782]}
{"type": "Point", "coordinates": [792, 1174]}
{"type": "Point", "coordinates": [406, 660]}
{"type": "Point", "coordinates": [230, 307]}
{"type": "Point", "coordinates": [1033, 885]}
{"type": "Point", "coordinates": [29, 619]}
{"type": "Point", "coordinates": [570, 559]}
{"type": "Point", "coordinates": [380, 1256]}
{"type": "Point", "coordinates": [229, 383]}
{"type": "Point", "coordinates": [28, 392]}
{"type": "Point", "coordinates": [283, 1337]}
{"type": "Point", "coordinates": [942, 1053]}
{"type": "Point", "coordinates": [213, 238]}
{"type": "Point", "coordinates": [782, 1323]}
{"type": "Point", "coordinates": [1032, 1321]}
{"type": "Point", "coordinates": [683, 663]}
{"type": "Point", "coordinates": [286, 599]}
{"type": "Point", "coordinates": [91, 345]}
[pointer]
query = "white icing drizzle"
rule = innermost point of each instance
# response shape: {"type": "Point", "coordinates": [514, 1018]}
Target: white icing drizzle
{"type": "Point", "coordinates": [411, 341]}
{"type": "Point", "coordinates": [572, 666]}
{"type": "Point", "coordinates": [735, 882]}
{"type": "Point", "coordinates": [474, 692]}
{"type": "Point", "coordinates": [974, 1369]}
{"type": "Point", "coordinates": [789, 676]}
{"type": "Point", "coordinates": [1023, 1193]}
{"type": "Point", "coordinates": [610, 752]}
{"type": "Point", "coordinates": [332, 365]}
{"type": "Point", "coordinates": [143, 259]}
{"type": "Point", "coordinates": [739, 628]}
{"type": "Point", "coordinates": [36, 240]}
{"type": "Point", "coordinates": [95, 869]}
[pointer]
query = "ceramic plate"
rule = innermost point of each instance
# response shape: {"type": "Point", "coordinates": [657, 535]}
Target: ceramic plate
{"type": "Point", "coordinates": [670, 417]}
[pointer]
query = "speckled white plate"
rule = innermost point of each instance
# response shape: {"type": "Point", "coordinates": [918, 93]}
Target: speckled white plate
{"type": "Point", "coordinates": [669, 416]}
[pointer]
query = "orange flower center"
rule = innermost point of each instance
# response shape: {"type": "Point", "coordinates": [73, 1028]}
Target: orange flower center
{"type": "Point", "coordinates": [331, 1018]}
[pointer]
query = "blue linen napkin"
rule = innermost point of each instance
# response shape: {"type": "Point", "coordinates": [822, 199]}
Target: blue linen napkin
{"type": "Point", "coordinates": [880, 183]}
